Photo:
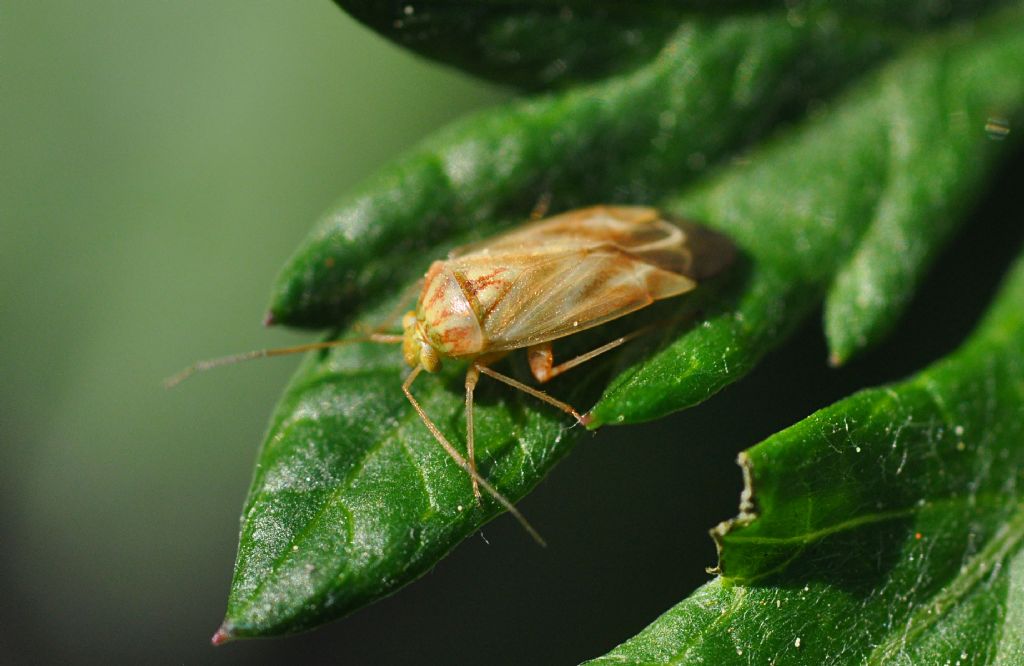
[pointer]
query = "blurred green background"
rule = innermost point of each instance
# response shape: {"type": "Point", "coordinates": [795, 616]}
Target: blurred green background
{"type": "Point", "coordinates": [158, 163]}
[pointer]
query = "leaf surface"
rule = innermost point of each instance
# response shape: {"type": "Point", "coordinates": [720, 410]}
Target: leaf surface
{"type": "Point", "coordinates": [352, 498]}
{"type": "Point", "coordinates": [885, 529]}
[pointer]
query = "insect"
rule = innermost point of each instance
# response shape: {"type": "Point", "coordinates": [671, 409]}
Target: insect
{"type": "Point", "coordinates": [530, 287]}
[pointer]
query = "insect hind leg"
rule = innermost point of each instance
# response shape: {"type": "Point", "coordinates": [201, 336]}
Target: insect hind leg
{"type": "Point", "coordinates": [542, 359]}
{"type": "Point", "coordinates": [540, 395]}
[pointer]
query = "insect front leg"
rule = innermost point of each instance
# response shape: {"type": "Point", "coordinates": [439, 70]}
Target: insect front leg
{"type": "Point", "coordinates": [472, 377]}
{"type": "Point", "coordinates": [459, 460]}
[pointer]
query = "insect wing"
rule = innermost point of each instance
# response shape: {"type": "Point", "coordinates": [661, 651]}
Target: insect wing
{"type": "Point", "coordinates": [552, 278]}
{"type": "Point", "coordinates": [625, 226]}
{"type": "Point", "coordinates": [561, 291]}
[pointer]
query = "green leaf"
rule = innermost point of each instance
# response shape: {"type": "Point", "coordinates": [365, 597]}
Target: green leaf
{"type": "Point", "coordinates": [714, 87]}
{"type": "Point", "coordinates": [352, 498]}
{"type": "Point", "coordinates": [531, 45]}
{"type": "Point", "coordinates": [545, 43]}
{"type": "Point", "coordinates": [885, 529]}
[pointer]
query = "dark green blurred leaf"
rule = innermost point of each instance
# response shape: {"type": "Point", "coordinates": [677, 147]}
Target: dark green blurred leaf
{"type": "Point", "coordinates": [549, 43]}
{"type": "Point", "coordinates": [352, 498]}
{"type": "Point", "coordinates": [885, 529]}
{"type": "Point", "coordinates": [531, 45]}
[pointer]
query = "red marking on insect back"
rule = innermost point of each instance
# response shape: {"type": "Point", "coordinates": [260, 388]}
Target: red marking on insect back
{"type": "Point", "coordinates": [432, 291]}
{"type": "Point", "coordinates": [455, 334]}
{"type": "Point", "coordinates": [484, 281]}
{"type": "Point", "coordinates": [436, 295]}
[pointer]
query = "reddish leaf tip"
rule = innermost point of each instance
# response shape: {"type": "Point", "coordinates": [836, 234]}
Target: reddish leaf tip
{"type": "Point", "coordinates": [268, 319]}
{"type": "Point", "coordinates": [222, 636]}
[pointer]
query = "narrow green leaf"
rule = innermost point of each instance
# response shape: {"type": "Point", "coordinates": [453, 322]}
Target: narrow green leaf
{"type": "Point", "coordinates": [885, 529]}
{"type": "Point", "coordinates": [632, 138]}
{"type": "Point", "coordinates": [926, 186]}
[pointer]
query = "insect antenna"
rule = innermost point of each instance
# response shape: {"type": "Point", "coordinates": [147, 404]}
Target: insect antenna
{"type": "Point", "coordinates": [209, 364]}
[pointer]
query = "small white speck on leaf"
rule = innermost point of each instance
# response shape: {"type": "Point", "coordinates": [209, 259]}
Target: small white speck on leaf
{"type": "Point", "coordinates": [796, 643]}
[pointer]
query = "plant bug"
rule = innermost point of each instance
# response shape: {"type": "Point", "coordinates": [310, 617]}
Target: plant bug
{"type": "Point", "coordinates": [528, 287]}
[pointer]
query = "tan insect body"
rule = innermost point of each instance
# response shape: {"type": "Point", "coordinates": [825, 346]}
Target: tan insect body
{"type": "Point", "coordinates": [533, 285]}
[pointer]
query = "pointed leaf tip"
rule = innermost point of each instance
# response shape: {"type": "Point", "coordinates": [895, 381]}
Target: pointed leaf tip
{"type": "Point", "coordinates": [222, 636]}
{"type": "Point", "coordinates": [268, 319]}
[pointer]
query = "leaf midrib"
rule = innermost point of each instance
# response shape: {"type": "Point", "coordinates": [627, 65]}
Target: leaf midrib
{"type": "Point", "coordinates": [808, 538]}
{"type": "Point", "coordinates": [401, 423]}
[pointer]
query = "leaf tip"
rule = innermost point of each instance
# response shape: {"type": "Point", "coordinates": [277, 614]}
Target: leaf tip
{"type": "Point", "coordinates": [222, 635]}
{"type": "Point", "coordinates": [269, 319]}
{"type": "Point", "coordinates": [835, 359]}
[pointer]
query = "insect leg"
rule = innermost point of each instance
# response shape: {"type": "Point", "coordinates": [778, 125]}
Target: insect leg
{"type": "Point", "coordinates": [540, 395]}
{"type": "Point", "coordinates": [461, 462]}
{"type": "Point", "coordinates": [472, 377]}
{"type": "Point", "coordinates": [540, 209]}
{"type": "Point", "coordinates": [541, 357]}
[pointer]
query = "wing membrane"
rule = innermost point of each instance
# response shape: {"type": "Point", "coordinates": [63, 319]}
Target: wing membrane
{"type": "Point", "coordinates": [572, 293]}
{"type": "Point", "coordinates": [574, 271]}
